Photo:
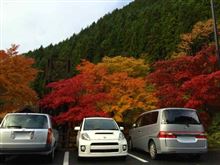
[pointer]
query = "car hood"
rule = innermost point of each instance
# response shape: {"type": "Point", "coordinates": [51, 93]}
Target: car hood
{"type": "Point", "coordinates": [103, 134]}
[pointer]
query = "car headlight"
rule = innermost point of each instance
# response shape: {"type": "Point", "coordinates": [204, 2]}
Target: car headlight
{"type": "Point", "coordinates": [121, 136]}
{"type": "Point", "coordinates": [85, 136]}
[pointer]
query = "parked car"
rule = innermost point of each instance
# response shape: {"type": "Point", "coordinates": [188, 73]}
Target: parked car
{"type": "Point", "coordinates": [100, 137]}
{"type": "Point", "coordinates": [169, 131]}
{"type": "Point", "coordinates": [27, 133]}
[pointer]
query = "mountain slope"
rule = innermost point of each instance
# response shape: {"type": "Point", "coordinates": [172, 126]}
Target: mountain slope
{"type": "Point", "coordinates": [147, 28]}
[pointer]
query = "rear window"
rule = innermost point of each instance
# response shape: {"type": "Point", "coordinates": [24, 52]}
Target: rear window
{"type": "Point", "coordinates": [179, 116]}
{"type": "Point", "coordinates": [26, 121]}
{"type": "Point", "coordinates": [100, 124]}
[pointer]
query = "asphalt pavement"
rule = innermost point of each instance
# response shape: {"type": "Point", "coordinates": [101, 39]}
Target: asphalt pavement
{"type": "Point", "coordinates": [63, 157]}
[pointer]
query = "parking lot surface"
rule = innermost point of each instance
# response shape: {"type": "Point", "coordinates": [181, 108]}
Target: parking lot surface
{"type": "Point", "coordinates": [63, 157]}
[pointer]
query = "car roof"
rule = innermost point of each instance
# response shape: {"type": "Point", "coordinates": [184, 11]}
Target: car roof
{"type": "Point", "coordinates": [28, 114]}
{"type": "Point", "coordinates": [107, 118]}
{"type": "Point", "coordinates": [169, 108]}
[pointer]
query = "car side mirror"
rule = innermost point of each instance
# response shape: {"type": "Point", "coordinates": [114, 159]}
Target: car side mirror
{"type": "Point", "coordinates": [76, 128]}
{"type": "Point", "coordinates": [134, 125]}
{"type": "Point", "coordinates": [122, 128]}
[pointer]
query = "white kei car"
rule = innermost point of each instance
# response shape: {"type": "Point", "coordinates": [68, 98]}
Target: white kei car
{"type": "Point", "coordinates": [100, 137]}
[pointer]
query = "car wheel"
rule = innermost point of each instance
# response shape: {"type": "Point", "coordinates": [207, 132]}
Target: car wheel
{"type": "Point", "coordinates": [130, 145]}
{"type": "Point", "coordinates": [153, 151]}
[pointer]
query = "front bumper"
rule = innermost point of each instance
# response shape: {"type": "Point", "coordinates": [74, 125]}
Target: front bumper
{"type": "Point", "coordinates": [102, 148]}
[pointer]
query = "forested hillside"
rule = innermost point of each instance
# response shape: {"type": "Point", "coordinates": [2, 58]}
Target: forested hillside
{"type": "Point", "coordinates": [149, 29]}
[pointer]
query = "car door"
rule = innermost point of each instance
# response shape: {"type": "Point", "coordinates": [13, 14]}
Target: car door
{"type": "Point", "coordinates": [135, 133]}
{"type": "Point", "coordinates": [149, 129]}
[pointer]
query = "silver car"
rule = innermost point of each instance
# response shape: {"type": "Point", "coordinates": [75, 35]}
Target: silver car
{"type": "Point", "coordinates": [27, 133]}
{"type": "Point", "coordinates": [169, 131]}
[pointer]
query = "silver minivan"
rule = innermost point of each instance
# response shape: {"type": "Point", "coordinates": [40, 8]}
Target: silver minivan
{"type": "Point", "coordinates": [169, 131]}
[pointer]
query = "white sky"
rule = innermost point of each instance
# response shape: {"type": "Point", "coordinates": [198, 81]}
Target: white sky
{"type": "Point", "coordinates": [32, 23]}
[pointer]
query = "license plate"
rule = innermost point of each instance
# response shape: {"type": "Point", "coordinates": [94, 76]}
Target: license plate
{"type": "Point", "coordinates": [186, 139]}
{"type": "Point", "coordinates": [22, 135]}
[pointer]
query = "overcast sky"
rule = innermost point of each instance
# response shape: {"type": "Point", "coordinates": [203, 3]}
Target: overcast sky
{"type": "Point", "coordinates": [32, 23]}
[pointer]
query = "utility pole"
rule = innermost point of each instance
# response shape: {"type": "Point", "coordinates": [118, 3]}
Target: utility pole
{"type": "Point", "coordinates": [215, 31]}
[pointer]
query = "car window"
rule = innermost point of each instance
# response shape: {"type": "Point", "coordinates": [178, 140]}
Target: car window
{"type": "Point", "coordinates": [138, 122]}
{"type": "Point", "coordinates": [153, 118]}
{"type": "Point", "coordinates": [179, 116]}
{"type": "Point", "coordinates": [25, 121]}
{"type": "Point", "coordinates": [100, 124]}
{"type": "Point", "coordinates": [149, 118]}
{"type": "Point", "coordinates": [146, 119]}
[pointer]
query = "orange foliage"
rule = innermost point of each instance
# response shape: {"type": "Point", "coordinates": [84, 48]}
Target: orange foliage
{"type": "Point", "coordinates": [118, 75]}
{"type": "Point", "coordinates": [192, 42]}
{"type": "Point", "coordinates": [16, 74]}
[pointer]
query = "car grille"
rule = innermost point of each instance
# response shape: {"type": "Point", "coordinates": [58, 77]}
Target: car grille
{"type": "Point", "coordinates": [103, 150]}
{"type": "Point", "coordinates": [104, 147]}
{"type": "Point", "coordinates": [103, 144]}
{"type": "Point", "coordinates": [103, 133]}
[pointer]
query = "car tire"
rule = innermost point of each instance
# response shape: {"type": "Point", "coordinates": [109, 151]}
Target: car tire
{"type": "Point", "coordinates": [50, 157]}
{"type": "Point", "coordinates": [130, 145]}
{"type": "Point", "coordinates": [153, 151]}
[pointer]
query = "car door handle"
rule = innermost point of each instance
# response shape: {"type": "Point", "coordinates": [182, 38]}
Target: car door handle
{"type": "Point", "coordinates": [139, 131]}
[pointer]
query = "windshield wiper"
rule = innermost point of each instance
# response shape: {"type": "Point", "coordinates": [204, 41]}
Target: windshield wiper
{"type": "Point", "coordinates": [14, 126]}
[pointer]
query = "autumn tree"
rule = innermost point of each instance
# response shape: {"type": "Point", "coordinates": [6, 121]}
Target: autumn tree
{"type": "Point", "coordinates": [188, 81]}
{"type": "Point", "coordinates": [123, 80]}
{"type": "Point", "coordinates": [129, 95]}
{"type": "Point", "coordinates": [112, 87]}
{"type": "Point", "coordinates": [16, 75]}
{"type": "Point", "coordinates": [80, 95]}
{"type": "Point", "coordinates": [133, 67]}
{"type": "Point", "coordinates": [203, 91]}
{"type": "Point", "coordinates": [201, 34]}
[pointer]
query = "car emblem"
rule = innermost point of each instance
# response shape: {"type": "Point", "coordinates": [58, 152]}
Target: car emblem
{"type": "Point", "coordinates": [104, 137]}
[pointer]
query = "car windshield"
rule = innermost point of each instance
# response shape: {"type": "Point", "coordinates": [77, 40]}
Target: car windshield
{"type": "Point", "coordinates": [179, 116]}
{"type": "Point", "coordinates": [100, 124]}
{"type": "Point", "coordinates": [26, 121]}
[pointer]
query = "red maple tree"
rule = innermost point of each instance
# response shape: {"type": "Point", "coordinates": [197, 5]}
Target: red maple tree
{"type": "Point", "coordinates": [80, 97]}
{"type": "Point", "coordinates": [188, 81]}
